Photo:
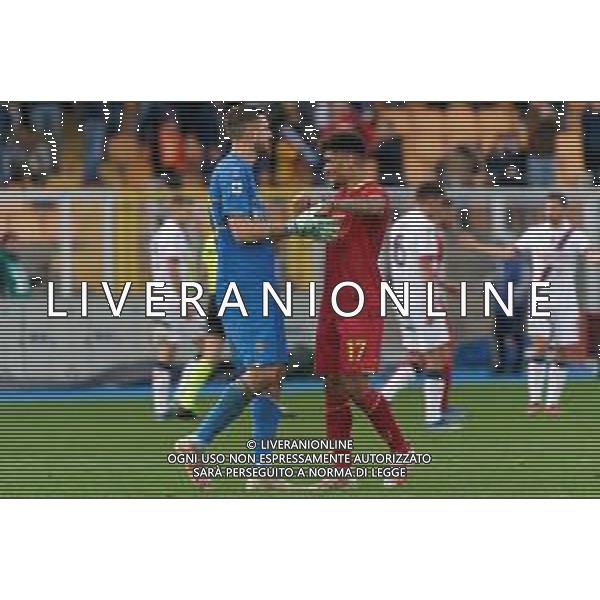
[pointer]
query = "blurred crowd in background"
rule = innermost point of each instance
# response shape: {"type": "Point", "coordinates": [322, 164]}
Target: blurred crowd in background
{"type": "Point", "coordinates": [466, 144]}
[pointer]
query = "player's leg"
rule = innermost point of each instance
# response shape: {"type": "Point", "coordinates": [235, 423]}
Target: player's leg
{"type": "Point", "coordinates": [556, 379]}
{"type": "Point", "coordinates": [436, 374]}
{"type": "Point", "coordinates": [223, 413]}
{"type": "Point", "coordinates": [262, 384]}
{"type": "Point", "coordinates": [198, 371]}
{"type": "Point", "coordinates": [501, 332]}
{"type": "Point", "coordinates": [210, 350]}
{"type": "Point", "coordinates": [407, 360]}
{"type": "Point", "coordinates": [231, 404]}
{"type": "Point", "coordinates": [519, 338]}
{"type": "Point", "coordinates": [232, 400]}
{"type": "Point", "coordinates": [449, 412]}
{"type": "Point", "coordinates": [162, 372]}
{"type": "Point", "coordinates": [338, 423]}
{"type": "Point", "coordinates": [403, 376]}
{"type": "Point", "coordinates": [338, 416]}
{"type": "Point", "coordinates": [537, 369]}
{"type": "Point", "coordinates": [338, 408]}
{"type": "Point", "coordinates": [269, 354]}
{"type": "Point", "coordinates": [564, 342]}
{"type": "Point", "coordinates": [405, 371]}
{"type": "Point", "coordinates": [235, 397]}
{"type": "Point", "coordinates": [266, 417]}
{"type": "Point", "coordinates": [377, 409]}
{"type": "Point", "coordinates": [360, 349]}
{"type": "Point", "coordinates": [431, 350]}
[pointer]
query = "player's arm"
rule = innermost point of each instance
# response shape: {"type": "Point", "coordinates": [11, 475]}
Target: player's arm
{"type": "Point", "coordinates": [235, 193]}
{"type": "Point", "coordinates": [429, 273]}
{"type": "Point", "coordinates": [373, 205]}
{"type": "Point", "coordinates": [313, 219]}
{"type": "Point", "coordinates": [469, 242]}
{"type": "Point", "coordinates": [309, 224]}
{"type": "Point", "coordinates": [428, 270]}
{"type": "Point", "coordinates": [248, 230]}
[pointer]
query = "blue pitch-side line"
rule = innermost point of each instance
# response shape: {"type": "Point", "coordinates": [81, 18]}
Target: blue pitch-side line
{"type": "Point", "coordinates": [297, 384]}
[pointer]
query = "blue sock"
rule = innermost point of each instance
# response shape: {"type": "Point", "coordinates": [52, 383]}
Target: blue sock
{"type": "Point", "coordinates": [227, 409]}
{"type": "Point", "coordinates": [265, 421]}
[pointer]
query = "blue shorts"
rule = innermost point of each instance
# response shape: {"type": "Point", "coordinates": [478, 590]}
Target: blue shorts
{"type": "Point", "coordinates": [256, 341]}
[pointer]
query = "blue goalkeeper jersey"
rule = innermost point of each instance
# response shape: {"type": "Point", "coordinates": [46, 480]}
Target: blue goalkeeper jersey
{"type": "Point", "coordinates": [255, 340]}
{"type": "Point", "coordinates": [233, 194]}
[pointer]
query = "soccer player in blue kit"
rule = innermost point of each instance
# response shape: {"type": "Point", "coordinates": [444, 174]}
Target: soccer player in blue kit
{"type": "Point", "coordinates": [246, 256]}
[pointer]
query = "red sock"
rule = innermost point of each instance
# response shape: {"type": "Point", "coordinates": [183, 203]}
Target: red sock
{"type": "Point", "coordinates": [379, 413]}
{"type": "Point", "coordinates": [338, 419]}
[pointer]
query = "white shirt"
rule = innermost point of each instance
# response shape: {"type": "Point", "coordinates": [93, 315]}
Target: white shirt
{"type": "Point", "coordinates": [542, 242]}
{"type": "Point", "coordinates": [411, 241]}
{"type": "Point", "coordinates": [170, 242]}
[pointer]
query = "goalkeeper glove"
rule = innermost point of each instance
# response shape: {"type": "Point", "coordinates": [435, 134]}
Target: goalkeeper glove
{"type": "Point", "coordinates": [318, 228]}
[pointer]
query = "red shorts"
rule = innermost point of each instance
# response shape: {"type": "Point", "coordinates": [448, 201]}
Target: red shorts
{"type": "Point", "coordinates": [348, 346]}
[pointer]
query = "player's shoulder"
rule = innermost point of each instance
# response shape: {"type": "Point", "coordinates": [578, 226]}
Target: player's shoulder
{"type": "Point", "coordinates": [231, 167]}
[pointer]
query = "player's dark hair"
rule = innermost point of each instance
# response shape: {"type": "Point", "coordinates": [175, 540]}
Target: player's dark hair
{"type": "Point", "coordinates": [349, 142]}
{"type": "Point", "coordinates": [239, 118]}
{"type": "Point", "coordinates": [428, 191]}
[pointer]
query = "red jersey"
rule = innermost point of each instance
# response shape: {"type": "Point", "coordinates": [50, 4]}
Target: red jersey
{"type": "Point", "coordinates": [354, 255]}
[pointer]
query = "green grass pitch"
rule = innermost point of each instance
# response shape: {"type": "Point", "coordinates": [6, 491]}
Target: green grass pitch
{"type": "Point", "coordinates": [115, 449]}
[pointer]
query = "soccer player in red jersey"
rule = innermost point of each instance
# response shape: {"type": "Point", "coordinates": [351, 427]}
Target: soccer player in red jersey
{"type": "Point", "coordinates": [348, 348]}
